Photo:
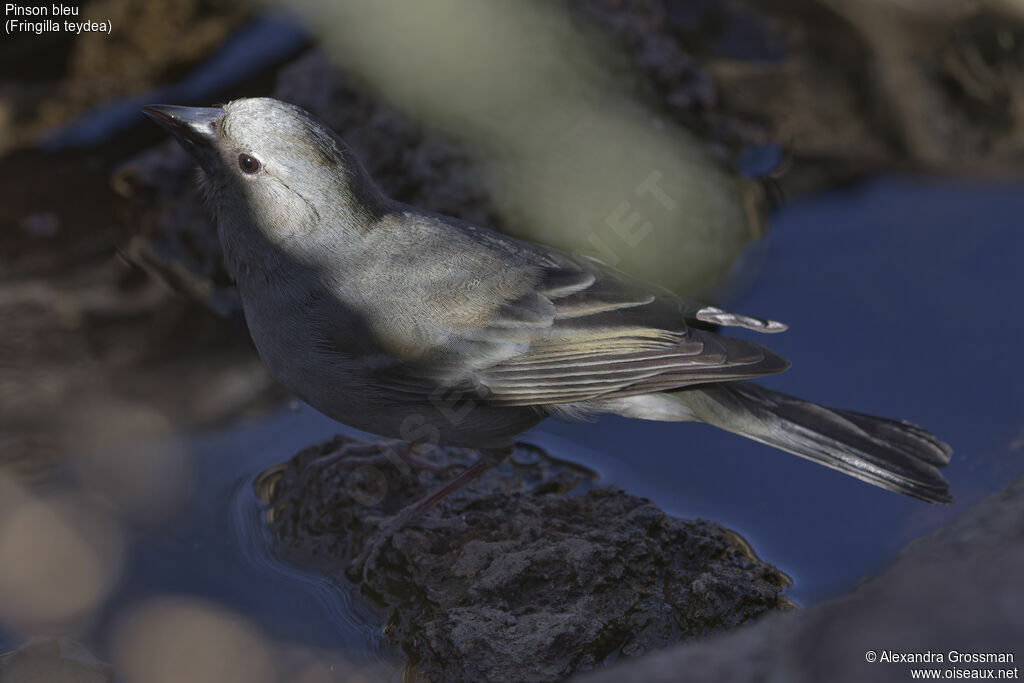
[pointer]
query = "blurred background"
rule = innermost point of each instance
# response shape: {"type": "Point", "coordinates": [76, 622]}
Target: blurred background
{"type": "Point", "coordinates": [854, 168]}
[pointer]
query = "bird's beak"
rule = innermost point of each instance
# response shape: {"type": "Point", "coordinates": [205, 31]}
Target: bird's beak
{"type": "Point", "coordinates": [195, 127]}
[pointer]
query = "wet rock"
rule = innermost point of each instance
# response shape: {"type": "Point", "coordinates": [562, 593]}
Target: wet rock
{"type": "Point", "coordinates": [530, 573]}
{"type": "Point", "coordinates": [957, 590]}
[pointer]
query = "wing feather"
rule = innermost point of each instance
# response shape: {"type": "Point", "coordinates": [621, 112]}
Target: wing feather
{"type": "Point", "coordinates": [565, 330]}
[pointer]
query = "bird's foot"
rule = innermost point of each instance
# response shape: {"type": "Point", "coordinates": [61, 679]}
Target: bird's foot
{"type": "Point", "coordinates": [409, 518]}
{"type": "Point", "coordinates": [412, 513]}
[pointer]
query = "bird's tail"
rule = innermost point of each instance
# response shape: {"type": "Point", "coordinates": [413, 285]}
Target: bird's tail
{"type": "Point", "coordinates": [895, 455]}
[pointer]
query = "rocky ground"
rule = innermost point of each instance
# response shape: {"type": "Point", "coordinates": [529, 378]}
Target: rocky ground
{"type": "Point", "coordinates": [530, 573]}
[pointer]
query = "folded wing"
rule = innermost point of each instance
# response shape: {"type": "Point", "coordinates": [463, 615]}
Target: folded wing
{"type": "Point", "coordinates": [585, 331]}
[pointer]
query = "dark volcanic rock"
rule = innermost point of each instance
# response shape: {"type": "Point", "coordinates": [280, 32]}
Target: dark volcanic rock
{"type": "Point", "coordinates": [528, 574]}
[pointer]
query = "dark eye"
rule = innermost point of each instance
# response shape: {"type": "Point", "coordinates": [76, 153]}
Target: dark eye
{"type": "Point", "coordinates": [248, 163]}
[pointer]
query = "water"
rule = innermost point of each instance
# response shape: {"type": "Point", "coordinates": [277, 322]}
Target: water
{"type": "Point", "coordinates": [903, 300]}
{"type": "Point", "coordinates": [218, 547]}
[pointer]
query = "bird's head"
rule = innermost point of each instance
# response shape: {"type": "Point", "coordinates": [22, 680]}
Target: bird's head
{"type": "Point", "coordinates": [270, 167]}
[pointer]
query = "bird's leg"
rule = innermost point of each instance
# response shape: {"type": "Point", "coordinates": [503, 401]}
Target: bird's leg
{"type": "Point", "coordinates": [489, 459]}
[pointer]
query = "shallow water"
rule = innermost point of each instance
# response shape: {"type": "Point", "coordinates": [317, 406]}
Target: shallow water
{"type": "Point", "coordinates": [219, 548]}
{"type": "Point", "coordinates": [902, 297]}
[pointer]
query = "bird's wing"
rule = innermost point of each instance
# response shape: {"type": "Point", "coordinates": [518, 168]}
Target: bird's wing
{"type": "Point", "coordinates": [611, 336]}
{"type": "Point", "coordinates": [582, 331]}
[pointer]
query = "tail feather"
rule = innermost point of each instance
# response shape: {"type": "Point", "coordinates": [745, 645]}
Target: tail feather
{"type": "Point", "coordinates": [898, 456]}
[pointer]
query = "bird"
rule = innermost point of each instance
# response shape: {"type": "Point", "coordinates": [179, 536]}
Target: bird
{"type": "Point", "coordinates": [422, 327]}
